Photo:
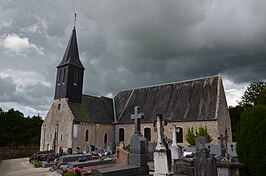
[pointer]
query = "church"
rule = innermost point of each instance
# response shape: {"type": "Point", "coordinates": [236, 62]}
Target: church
{"type": "Point", "coordinates": [78, 120]}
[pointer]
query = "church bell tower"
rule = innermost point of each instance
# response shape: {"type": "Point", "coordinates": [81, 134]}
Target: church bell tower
{"type": "Point", "coordinates": [70, 72]}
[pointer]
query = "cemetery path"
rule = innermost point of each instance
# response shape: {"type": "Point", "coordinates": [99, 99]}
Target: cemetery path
{"type": "Point", "coordinates": [22, 167]}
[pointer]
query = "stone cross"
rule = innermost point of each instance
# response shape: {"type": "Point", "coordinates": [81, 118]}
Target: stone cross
{"type": "Point", "coordinates": [136, 117]}
{"type": "Point", "coordinates": [160, 128]}
{"type": "Point", "coordinates": [222, 138]}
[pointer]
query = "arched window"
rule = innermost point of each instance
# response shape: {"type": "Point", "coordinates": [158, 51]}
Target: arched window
{"type": "Point", "coordinates": [121, 134]}
{"type": "Point", "coordinates": [179, 135]}
{"type": "Point", "coordinates": [105, 138]}
{"type": "Point", "coordinates": [87, 136]}
{"type": "Point", "coordinates": [147, 134]}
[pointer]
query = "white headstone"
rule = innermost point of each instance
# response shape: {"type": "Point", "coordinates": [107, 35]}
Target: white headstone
{"type": "Point", "coordinates": [162, 155]}
{"type": "Point", "coordinates": [175, 149]}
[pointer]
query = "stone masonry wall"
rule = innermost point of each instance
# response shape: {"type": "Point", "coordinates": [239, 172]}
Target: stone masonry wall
{"type": "Point", "coordinates": [17, 152]}
{"type": "Point", "coordinates": [96, 135]}
{"type": "Point", "coordinates": [58, 121]}
{"type": "Point", "coordinates": [212, 127]}
{"type": "Point", "coordinates": [223, 115]}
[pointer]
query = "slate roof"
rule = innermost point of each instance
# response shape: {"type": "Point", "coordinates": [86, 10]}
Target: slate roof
{"type": "Point", "coordinates": [93, 110]}
{"type": "Point", "coordinates": [71, 55]}
{"type": "Point", "coordinates": [194, 100]}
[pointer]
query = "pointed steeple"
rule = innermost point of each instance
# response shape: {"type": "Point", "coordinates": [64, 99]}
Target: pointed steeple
{"type": "Point", "coordinates": [70, 72]}
{"type": "Point", "coordinates": [71, 55]}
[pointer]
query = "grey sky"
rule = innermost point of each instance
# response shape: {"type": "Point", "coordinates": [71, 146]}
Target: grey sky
{"type": "Point", "coordinates": [125, 44]}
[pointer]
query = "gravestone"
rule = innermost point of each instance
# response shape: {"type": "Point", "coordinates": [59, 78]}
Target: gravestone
{"type": "Point", "coordinates": [88, 149]}
{"type": "Point", "coordinates": [138, 144]}
{"type": "Point", "coordinates": [61, 151]}
{"type": "Point", "coordinates": [231, 150]}
{"type": "Point", "coordinates": [222, 138]}
{"type": "Point", "coordinates": [189, 151]}
{"type": "Point", "coordinates": [71, 158]}
{"type": "Point", "coordinates": [69, 151]}
{"type": "Point", "coordinates": [213, 149]}
{"type": "Point", "coordinates": [175, 149]}
{"type": "Point", "coordinates": [137, 155]}
{"type": "Point", "coordinates": [151, 148]}
{"type": "Point", "coordinates": [162, 154]}
{"type": "Point", "coordinates": [204, 163]}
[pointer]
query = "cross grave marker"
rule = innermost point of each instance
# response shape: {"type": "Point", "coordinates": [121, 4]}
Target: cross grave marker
{"type": "Point", "coordinates": [136, 117]}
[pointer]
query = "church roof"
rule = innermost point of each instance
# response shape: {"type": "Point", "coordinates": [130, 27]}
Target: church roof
{"type": "Point", "coordinates": [93, 110]}
{"type": "Point", "coordinates": [194, 100]}
{"type": "Point", "coordinates": [71, 55]}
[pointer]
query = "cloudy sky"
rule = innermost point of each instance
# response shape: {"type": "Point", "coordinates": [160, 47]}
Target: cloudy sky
{"type": "Point", "coordinates": [128, 43]}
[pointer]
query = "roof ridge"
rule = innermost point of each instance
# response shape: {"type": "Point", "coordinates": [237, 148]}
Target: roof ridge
{"type": "Point", "coordinates": [126, 104]}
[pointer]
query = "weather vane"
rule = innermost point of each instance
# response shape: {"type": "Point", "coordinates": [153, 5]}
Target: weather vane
{"type": "Point", "coordinates": [75, 19]}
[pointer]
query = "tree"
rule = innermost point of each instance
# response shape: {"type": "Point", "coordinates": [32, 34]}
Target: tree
{"type": "Point", "coordinates": [261, 99]}
{"type": "Point", "coordinates": [252, 93]}
{"type": "Point", "coordinates": [235, 113]}
{"type": "Point", "coordinates": [16, 130]}
{"type": "Point", "coordinates": [251, 139]}
{"type": "Point", "coordinates": [191, 135]}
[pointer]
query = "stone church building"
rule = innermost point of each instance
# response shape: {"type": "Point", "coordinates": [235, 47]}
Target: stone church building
{"type": "Point", "coordinates": [77, 120]}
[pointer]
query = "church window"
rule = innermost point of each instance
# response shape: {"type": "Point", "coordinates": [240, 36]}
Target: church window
{"type": "Point", "coordinates": [105, 138]}
{"type": "Point", "coordinates": [64, 75]}
{"type": "Point", "coordinates": [75, 77]}
{"type": "Point", "coordinates": [121, 134]}
{"type": "Point", "coordinates": [59, 106]}
{"type": "Point", "coordinates": [179, 135]}
{"type": "Point", "coordinates": [147, 134]}
{"type": "Point", "coordinates": [59, 76]}
{"type": "Point", "coordinates": [87, 136]}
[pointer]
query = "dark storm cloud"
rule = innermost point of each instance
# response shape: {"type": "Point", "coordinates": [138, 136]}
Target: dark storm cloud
{"type": "Point", "coordinates": [30, 95]}
{"type": "Point", "coordinates": [129, 43]}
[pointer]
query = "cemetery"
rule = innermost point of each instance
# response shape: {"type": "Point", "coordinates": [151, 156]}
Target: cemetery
{"type": "Point", "coordinates": [203, 159]}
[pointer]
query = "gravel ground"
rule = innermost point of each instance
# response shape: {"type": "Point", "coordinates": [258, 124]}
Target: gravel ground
{"type": "Point", "coordinates": [22, 167]}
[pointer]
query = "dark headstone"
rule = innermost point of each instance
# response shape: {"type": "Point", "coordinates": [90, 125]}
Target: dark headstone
{"type": "Point", "coordinates": [137, 155]}
{"type": "Point", "coordinates": [204, 163]}
{"type": "Point", "coordinates": [61, 151]}
{"type": "Point", "coordinates": [200, 142]}
{"type": "Point", "coordinates": [183, 167]}
{"type": "Point", "coordinates": [138, 144]}
{"type": "Point", "coordinates": [138, 150]}
{"type": "Point", "coordinates": [69, 151]}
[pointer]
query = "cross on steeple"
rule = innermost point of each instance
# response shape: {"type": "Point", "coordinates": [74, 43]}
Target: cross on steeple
{"type": "Point", "coordinates": [136, 117]}
{"type": "Point", "coordinates": [75, 19]}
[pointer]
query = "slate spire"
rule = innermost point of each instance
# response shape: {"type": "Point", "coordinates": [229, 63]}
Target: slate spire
{"type": "Point", "coordinates": [71, 55]}
{"type": "Point", "coordinates": [70, 72]}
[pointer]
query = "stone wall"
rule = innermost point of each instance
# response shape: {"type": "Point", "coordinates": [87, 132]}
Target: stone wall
{"type": "Point", "coordinates": [17, 152]}
{"type": "Point", "coordinates": [96, 135]}
{"type": "Point", "coordinates": [223, 115]}
{"type": "Point", "coordinates": [212, 127]}
{"type": "Point", "coordinates": [57, 127]}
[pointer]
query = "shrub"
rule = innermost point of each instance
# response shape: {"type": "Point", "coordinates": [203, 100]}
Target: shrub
{"type": "Point", "coordinates": [191, 135]}
{"type": "Point", "coordinates": [37, 164]}
{"type": "Point", "coordinates": [251, 139]}
{"type": "Point", "coordinates": [127, 148]}
{"type": "Point", "coordinates": [70, 174]}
